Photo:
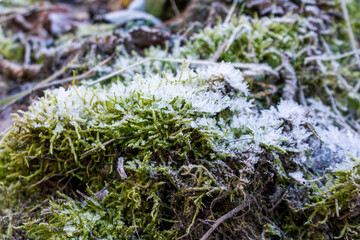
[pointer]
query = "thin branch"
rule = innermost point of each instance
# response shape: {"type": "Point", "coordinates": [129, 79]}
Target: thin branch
{"type": "Point", "coordinates": [272, 89]}
{"type": "Point", "coordinates": [256, 67]}
{"type": "Point", "coordinates": [335, 64]}
{"type": "Point", "coordinates": [174, 7]}
{"type": "Point", "coordinates": [253, 66]}
{"type": "Point", "coordinates": [187, 234]}
{"type": "Point", "coordinates": [231, 12]}
{"type": "Point", "coordinates": [189, 29]}
{"type": "Point", "coordinates": [7, 102]}
{"type": "Point", "coordinates": [45, 179]}
{"type": "Point", "coordinates": [225, 46]}
{"type": "Point", "coordinates": [79, 77]}
{"type": "Point", "coordinates": [340, 119]}
{"type": "Point", "coordinates": [331, 58]}
{"type": "Point", "coordinates": [350, 31]}
{"type": "Point", "coordinates": [39, 205]}
{"type": "Point", "coordinates": [27, 48]}
{"type": "Point", "coordinates": [225, 217]}
{"type": "Point", "coordinates": [41, 181]}
{"type": "Point", "coordinates": [119, 71]}
{"type": "Point", "coordinates": [279, 201]}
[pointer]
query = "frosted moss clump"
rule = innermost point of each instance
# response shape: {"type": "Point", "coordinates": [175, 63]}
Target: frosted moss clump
{"type": "Point", "coordinates": [249, 40]}
{"type": "Point", "coordinates": [186, 142]}
{"type": "Point", "coordinates": [224, 73]}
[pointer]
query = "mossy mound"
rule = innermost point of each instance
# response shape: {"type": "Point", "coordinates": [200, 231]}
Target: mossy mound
{"type": "Point", "coordinates": [162, 158]}
{"type": "Point", "coordinates": [164, 151]}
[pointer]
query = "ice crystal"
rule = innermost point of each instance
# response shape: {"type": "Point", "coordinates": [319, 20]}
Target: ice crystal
{"type": "Point", "coordinates": [225, 72]}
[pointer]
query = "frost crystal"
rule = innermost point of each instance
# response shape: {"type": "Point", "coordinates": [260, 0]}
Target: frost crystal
{"type": "Point", "coordinates": [225, 72]}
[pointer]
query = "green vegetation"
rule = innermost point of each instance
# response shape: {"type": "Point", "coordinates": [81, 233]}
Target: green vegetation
{"type": "Point", "coordinates": [164, 150]}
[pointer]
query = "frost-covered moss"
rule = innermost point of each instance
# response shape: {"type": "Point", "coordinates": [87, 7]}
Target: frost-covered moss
{"type": "Point", "coordinates": [250, 40]}
{"type": "Point", "coordinates": [9, 49]}
{"type": "Point", "coordinates": [157, 157]}
{"type": "Point", "coordinates": [165, 153]}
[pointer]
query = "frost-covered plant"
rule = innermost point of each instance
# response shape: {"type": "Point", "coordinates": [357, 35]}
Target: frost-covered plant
{"type": "Point", "coordinates": [249, 40]}
{"type": "Point", "coordinates": [162, 151]}
{"type": "Point", "coordinates": [153, 156]}
{"type": "Point", "coordinates": [8, 48]}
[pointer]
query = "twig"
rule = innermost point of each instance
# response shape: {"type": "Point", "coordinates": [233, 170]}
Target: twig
{"type": "Point", "coordinates": [225, 217]}
{"type": "Point", "coordinates": [174, 7]}
{"type": "Point", "coordinates": [119, 71]}
{"type": "Point", "coordinates": [189, 29]}
{"type": "Point", "coordinates": [47, 82]}
{"type": "Point", "coordinates": [79, 77]}
{"type": "Point", "coordinates": [7, 102]}
{"type": "Point", "coordinates": [41, 181]}
{"type": "Point", "coordinates": [225, 46]}
{"type": "Point", "coordinates": [334, 63]}
{"type": "Point", "coordinates": [272, 89]}
{"type": "Point", "coordinates": [257, 67]}
{"type": "Point", "coordinates": [27, 53]}
{"type": "Point", "coordinates": [187, 234]}
{"type": "Point", "coordinates": [302, 98]}
{"type": "Point", "coordinates": [107, 143]}
{"type": "Point", "coordinates": [340, 119]}
{"type": "Point", "coordinates": [181, 17]}
{"type": "Point", "coordinates": [331, 58]}
{"type": "Point", "coordinates": [262, 67]}
{"type": "Point", "coordinates": [319, 178]}
{"type": "Point", "coordinates": [279, 201]}
{"type": "Point", "coordinates": [231, 12]}
{"type": "Point", "coordinates": [298, 54]}
{"type": "Point", "coordinates": [350, 31]}
{"type": "Point", "coordinates": [39, 205]}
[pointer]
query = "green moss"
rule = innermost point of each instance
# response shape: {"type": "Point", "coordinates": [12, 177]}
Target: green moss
{"type": "Point", "coordinates": [8, 49]}
{"type": "Point", "coordinates": [154, 157]}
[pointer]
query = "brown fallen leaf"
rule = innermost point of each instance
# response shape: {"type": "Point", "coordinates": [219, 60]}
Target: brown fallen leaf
{"type": "Point", "coordinates": [52, 21]}
{"type": "Point", "coordinates": [24, 72]}
{"type": "Point", "coordinates": [144, 37]}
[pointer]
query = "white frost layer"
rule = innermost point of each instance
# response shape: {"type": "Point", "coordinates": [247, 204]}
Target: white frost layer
{"type": "Point", "coordinates": [206, 93]}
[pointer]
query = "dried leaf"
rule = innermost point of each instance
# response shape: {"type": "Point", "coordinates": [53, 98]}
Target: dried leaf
{"type": "Point", "coordinates": [24, 72]}
{"type": "Point", "coordinates": [145, 37]}
{"type": "Point", "coordinates": [52, 20]}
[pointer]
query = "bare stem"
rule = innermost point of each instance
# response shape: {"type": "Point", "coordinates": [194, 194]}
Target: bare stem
{"type": "Point", "coordinates": [225, 217]}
